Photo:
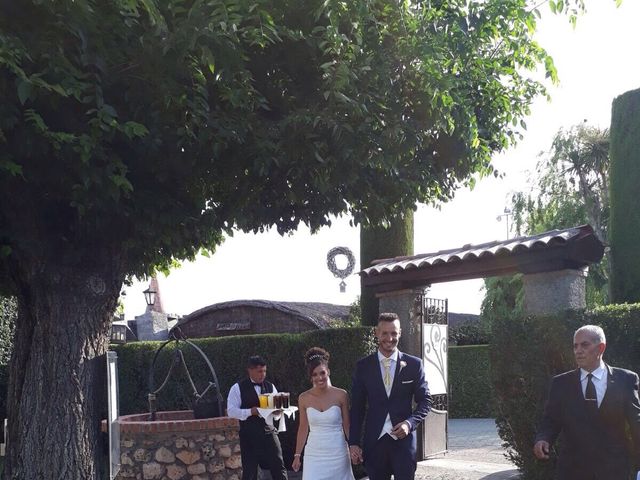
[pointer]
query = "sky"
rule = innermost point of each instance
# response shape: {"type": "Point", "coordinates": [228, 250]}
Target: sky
{"type": "Point", "coordinates": [596, 62]}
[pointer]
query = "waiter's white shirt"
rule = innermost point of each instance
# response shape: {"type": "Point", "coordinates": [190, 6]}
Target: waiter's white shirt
{"type": "Point", "coordinates": [234, 401]}
{"type": "Point", "coordinates": [387, 427]}
{"type": "Point", "coordinates": [599, 380]}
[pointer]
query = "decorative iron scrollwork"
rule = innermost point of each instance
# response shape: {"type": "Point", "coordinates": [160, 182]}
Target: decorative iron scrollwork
{"type": "Point", "coordinates": [435, 350]}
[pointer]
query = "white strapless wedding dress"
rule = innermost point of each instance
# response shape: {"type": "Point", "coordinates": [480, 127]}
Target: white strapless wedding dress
{"type": "Point", "coordinates": [326, 455]}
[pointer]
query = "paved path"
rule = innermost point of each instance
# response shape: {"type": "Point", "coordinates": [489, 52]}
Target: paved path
{"type": "Point", "coordinates": [475, 453]}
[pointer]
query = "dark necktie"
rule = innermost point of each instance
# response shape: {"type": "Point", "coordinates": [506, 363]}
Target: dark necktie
{"type": "Point", "coordinates": [259, 385]}
{"type": "Point", "coordinates": [590, 396]}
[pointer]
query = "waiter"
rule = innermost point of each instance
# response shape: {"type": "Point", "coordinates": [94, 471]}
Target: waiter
{"type": "Point", "coordinates": [259, 443]}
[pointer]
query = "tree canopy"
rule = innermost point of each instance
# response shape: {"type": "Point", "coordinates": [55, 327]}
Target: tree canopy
{"type": "Point", "coordinates": [153, 127]}
{"type": "Point", "coordinates": [137, 132]}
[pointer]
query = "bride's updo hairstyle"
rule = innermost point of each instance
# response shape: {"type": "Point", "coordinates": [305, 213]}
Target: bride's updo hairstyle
{"type": "Point", "coordinates": [314, 357]}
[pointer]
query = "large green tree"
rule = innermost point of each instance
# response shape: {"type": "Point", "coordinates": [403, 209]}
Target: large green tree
{"type": "Point", "coordinates": [137, 132]}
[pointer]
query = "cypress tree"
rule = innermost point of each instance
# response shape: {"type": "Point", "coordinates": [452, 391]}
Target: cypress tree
{"type": "Point", "coordinates": [624, 230]}
{"type": "Point", "coordinates": [394, 240]}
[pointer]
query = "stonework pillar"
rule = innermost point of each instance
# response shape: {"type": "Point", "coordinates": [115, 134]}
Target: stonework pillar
{"type": "Point", "coordinates": [407, 304]}
{"type": "Point", "coordinates": [551, 292]}
{"type": "Point", "coordinates": [152, 325]}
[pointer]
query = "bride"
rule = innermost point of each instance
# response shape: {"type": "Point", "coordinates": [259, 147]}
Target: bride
{"type": "Point", "coordinates": [324, 423]}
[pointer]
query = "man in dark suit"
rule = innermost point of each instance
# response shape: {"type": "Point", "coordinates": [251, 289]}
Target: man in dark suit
{"type": "Point", "coordinates": [259, 443]}
{"type": "Point", "coordinates": [387, 382]}
{"type": "Point", "coordinates": [593, 407]}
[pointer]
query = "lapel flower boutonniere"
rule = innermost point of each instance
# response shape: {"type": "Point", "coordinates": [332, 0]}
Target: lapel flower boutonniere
{"type": "Point", "coordinates": [402, 365]}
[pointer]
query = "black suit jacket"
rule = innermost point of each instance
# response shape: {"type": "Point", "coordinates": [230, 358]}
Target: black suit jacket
{"type": "Point", "coordinates": [594, 447]}
{"type": "Point", "coordinates": [369, 395]}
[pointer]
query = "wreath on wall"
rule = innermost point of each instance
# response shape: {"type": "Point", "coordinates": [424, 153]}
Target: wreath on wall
{"type": "Point", "coordinates": [341, 273]}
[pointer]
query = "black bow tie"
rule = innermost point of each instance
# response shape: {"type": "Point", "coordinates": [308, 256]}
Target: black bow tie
{"type": "Point", "coordinates": [257, 384]}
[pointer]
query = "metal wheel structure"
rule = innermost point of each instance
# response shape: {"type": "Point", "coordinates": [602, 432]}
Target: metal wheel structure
{"type": "Point", "coordinates": [201, 407]}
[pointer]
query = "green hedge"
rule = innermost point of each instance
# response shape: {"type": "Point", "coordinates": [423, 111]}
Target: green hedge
{"type": "Point", "coordinates": [471, 395]}
{"type": "Point", "coordinates": [283, 353]}
{"type": "Point", "coordinates": [470, 389]}
{"type": "Point", "coordinates": [527, 351]}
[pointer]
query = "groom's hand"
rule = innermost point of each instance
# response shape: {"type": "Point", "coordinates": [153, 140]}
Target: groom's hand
{"type": "Point", "coordinates": [355, 452]}
{"type": "Point", "coordinates": [401, 430]}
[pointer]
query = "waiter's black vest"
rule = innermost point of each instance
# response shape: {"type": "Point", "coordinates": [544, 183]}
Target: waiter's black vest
{"type": "Point", "coordinates": [253, 425]}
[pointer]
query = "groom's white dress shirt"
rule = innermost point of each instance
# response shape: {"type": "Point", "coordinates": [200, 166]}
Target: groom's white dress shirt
{"type": "Point", "coordinates": [388, 427]}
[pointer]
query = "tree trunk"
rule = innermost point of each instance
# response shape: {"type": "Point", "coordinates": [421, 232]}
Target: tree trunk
{"type": "Point", "coordinates": [378, 243]}
{"type": "Point", "coordinates": [56, 372]}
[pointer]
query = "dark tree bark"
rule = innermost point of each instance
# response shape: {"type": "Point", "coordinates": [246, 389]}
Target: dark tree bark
{"type": "Point", "coordinates": [54, 406]}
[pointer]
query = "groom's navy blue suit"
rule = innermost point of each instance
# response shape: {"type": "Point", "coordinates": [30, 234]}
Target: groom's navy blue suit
{"type": "Point", "coordinates": [368, 395]}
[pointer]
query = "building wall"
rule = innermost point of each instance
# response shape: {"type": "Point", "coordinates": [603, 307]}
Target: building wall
{"type": "Point", "coordinates": [244, 321]}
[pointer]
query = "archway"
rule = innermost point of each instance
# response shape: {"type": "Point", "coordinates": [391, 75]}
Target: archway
{"type": "Point", "coordinates": [554, 265]}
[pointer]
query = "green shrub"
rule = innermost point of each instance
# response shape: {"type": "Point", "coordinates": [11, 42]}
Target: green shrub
{"type": "Point", "coordinates": [283, 352]}
{"type": "Point", "coordinates": [470, 389]}
{"type": "Point", "coordinates": [527, 351]}
{"type": "Point", "coordinates": [470, 333]}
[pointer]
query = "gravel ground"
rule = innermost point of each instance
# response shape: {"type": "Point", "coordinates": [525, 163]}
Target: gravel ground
{"type": "Point", "coordinates": [475, 453]}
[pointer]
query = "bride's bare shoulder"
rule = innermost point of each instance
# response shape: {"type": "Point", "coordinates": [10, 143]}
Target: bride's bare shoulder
{"type": "Point", "coordinates": [340, 393]}
{"type": "Point", "coordinates": [303, 398]}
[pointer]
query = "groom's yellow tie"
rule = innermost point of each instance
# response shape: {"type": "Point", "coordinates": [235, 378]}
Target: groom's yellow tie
{"type": "Point", "coordinates": [386, 362]}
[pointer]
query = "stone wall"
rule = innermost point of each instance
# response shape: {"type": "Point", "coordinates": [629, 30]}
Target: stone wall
{"type": "Point", "coordinates": [177, 447]}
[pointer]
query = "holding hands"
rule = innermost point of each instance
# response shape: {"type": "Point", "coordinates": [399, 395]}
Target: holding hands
{"type": "Point", "coordinates": [355, 452]}
{"type": "Point", "coordinates": [296, 462]}
{"type": "Point", "coordinates": [541, 450]}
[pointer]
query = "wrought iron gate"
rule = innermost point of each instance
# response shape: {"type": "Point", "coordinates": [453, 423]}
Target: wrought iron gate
{"type": "Point", "coordinates": [435, 322]}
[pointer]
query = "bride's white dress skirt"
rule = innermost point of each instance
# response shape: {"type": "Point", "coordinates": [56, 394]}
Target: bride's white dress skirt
{"type": "Point", "coordinates": [326, 455]}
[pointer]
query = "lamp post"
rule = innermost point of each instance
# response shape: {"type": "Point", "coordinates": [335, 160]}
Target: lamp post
{"type": "Point", "coordinates": [150, 296]}
{"type": "Point", "coordinates": [506, 215]}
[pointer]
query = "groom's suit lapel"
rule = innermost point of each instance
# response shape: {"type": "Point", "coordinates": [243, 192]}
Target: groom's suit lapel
{"type": "Point", "coordinates": [396, 375]}
{"type": "Point", "coordinates": [377, 373]}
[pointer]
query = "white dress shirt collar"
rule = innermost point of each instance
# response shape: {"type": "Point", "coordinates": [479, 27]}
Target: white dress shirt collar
{"type": "Point", "coordinates": [393, 356]}
{"type": "Point", "coordinates": [598, 373]}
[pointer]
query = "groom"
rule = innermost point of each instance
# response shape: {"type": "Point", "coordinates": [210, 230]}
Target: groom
{"type": "Point", "coordinates": [387, 381]}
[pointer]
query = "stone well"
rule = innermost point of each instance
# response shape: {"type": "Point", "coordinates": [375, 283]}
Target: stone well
{"type": "Point", "coordinates": [178, 447]}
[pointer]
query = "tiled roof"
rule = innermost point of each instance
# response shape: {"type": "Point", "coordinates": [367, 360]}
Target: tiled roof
{"type": "Point", "coordinates": [571, 248]}
{"type": "Point", "coordinates": [319, 314]}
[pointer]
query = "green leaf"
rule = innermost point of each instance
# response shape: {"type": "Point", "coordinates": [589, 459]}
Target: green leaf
{"type": "Point", "coordinates": [24, 91]}
{"type": "Point", "coordinates": [11, 167]}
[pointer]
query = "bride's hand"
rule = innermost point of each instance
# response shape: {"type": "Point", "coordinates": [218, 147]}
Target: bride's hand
{"type": "Point", "coordinates": [356, 454]}
{"type": "Point", "coordinates": [296, 464]}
